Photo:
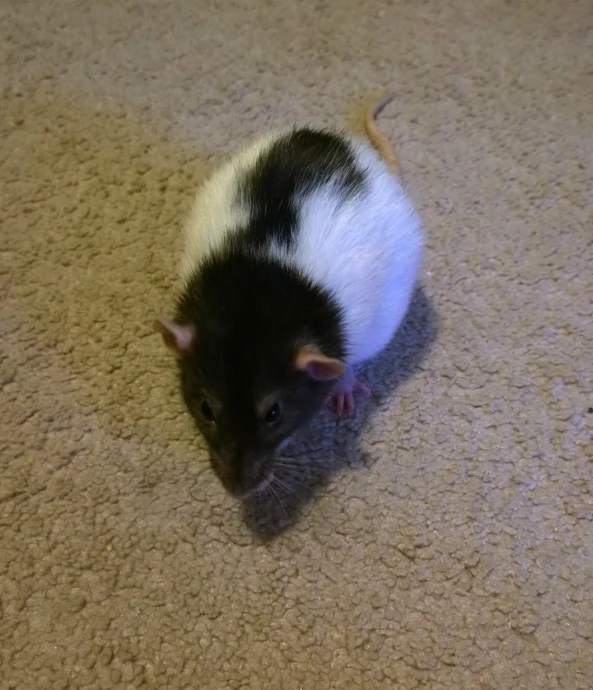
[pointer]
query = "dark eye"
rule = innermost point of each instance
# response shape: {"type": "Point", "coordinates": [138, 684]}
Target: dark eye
{"type": "Point", "coordinates": [273, 414]}
{"type": "Point", "coordinates": [207, 412]}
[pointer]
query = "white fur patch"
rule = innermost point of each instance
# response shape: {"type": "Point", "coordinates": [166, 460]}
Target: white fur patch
{"type": "Point", "coordinates": [366, 250]}
{"type": "Point", "coordinates": [217, 209]}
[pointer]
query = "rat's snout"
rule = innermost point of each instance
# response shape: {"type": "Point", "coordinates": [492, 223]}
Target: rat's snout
{"type": "Point", "coordinates": [243, 473]}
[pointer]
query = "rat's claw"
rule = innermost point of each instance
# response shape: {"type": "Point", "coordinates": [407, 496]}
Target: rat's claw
{"type": "Point", "coordinates": [365, 391]}
{"type": "Point", "coordinates": [337, 403]}
{"type": "Point", "coordinates": [348, 404]}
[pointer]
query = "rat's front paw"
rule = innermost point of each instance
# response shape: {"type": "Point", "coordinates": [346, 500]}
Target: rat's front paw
{"type": "Point", "coordinates": [342, 397]}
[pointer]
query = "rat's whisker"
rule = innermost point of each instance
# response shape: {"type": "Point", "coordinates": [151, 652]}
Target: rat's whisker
{"type": "Point", "coordinates": [288, 461]}
{"type": "Point", "coordinates": [277, 497]}
{"type": "Point", "coordinates": [293, 478]}
{"type": "Point", "coordinates": [286, 472]}
{"type": "Point", "coordinates": [302, 485]}
{"type": "Point", "coordinates": [286, 486]}
{"type": "Point", "coordinates": [297, 469]}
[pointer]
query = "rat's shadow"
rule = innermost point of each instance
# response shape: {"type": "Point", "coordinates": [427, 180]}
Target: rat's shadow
{"type": "Point", "coordinates": [307, 466]}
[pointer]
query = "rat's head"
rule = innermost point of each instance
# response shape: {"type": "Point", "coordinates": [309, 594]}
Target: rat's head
{"type": "Point", "coordinates": [247, 400]}
{"type": "Point", "coordinates": [259, 348]}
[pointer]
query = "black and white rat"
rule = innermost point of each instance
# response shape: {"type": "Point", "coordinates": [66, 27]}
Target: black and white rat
{"type": "Point", "coordinates": [301, 254]}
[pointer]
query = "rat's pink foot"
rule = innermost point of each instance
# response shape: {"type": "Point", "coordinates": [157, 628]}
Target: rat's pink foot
{"type": "Point", "coordinates": [342, 398]}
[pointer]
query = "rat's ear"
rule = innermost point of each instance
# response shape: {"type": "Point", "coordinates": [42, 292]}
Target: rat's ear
{"type": "Point", "coordinates": [318, 366]}
{"type": "Point", "coordinates": [177, 337]}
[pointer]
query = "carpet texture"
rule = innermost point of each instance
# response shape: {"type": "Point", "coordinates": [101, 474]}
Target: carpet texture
{"type": "Point", "coordinates": [442, 538]}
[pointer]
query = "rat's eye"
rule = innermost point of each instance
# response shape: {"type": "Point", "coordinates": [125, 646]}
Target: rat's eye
{"type": "Point", "coordinates": [207, 412]}
{"type": "Point", "coordinates": [273, 414]}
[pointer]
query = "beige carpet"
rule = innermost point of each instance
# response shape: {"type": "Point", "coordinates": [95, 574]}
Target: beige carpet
{"type": "Point", "coordinates": [449, 545]}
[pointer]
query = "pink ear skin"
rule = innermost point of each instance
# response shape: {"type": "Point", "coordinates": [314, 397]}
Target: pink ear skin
{"type": "Point", "coordinates": [177, 337]}
{"type": "Point", "coordinates": [318, 366]}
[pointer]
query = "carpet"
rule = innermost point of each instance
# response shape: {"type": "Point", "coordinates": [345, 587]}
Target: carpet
{"type": "Point", "coordinates": [442, 538]}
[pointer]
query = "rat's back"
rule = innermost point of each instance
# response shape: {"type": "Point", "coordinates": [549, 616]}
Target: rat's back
{"type": "Point", "coordinates": [327, 205]}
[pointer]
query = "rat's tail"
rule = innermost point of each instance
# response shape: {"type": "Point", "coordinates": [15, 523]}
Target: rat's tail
{"type": "Point", "coordinates": [376, 136]}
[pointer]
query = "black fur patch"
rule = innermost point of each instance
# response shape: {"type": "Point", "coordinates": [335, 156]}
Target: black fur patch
{"type": "Point", "coordinates": [297, 163]}
{"type": "Point", "coordinates": [254, 306]}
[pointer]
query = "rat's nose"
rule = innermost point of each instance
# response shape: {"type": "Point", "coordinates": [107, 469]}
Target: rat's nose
{"type": "Point", "coordinates": [245, 490]}
{"type": "Point", "coordinates": [255, 487]}
{"type": "Point", "coordinates": [261, 475]}
{"type": "Point", "coordinates": [264, 482]}
{"type": "Point", "coordinates": [256, 480]}
{"type": "Point", "coordinates": [245, 476]}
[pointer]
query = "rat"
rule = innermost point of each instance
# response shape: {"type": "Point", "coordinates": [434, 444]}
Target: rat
{"type": "Point", "coordinates": [300, 259]}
